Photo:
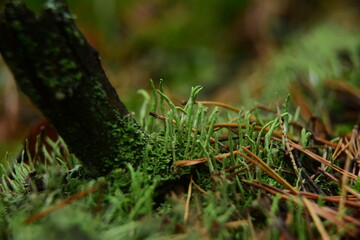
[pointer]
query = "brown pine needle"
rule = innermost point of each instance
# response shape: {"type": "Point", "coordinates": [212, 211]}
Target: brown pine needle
{"type": "Point", "coordinates": [332, 199]}
{"type": "Point", "coordinates": [267, 169]}
{"type": "Point", "coordinates": [324, 141]}
{"type": "Point", "coordinates": [316, 219]}
{"type": "Point", "coordinates": [256, 128]}
{"type": "Point", "coordinates": [331, 215]}
{"type": "Point", "coordinates": [322, 160]}
{"type": "Point", "coordinates": [268, 188]}
{"type": "Point", "coordinates": [285, 194]}
{"type": "Point", "coordinates": [350, 190]}
{"type": "Point", "coordinates": [344, 187]}
{"type": "Point", "coordinates": [199, 188]}
{"type": "Point", "coordinates": [253, 159]}
{"type": "Point", "coordinates": [61, 204]}
{"type": "Point", "coordinates": [337, 151]}
{"type": "Point", "coordinates": [324, 212]}
{"type": "Point", "coordinates": [220, 104]}
{"type": "Point", "coordinates": [189, 162]}
{"type": "Point", "coordinates": [199, 160]}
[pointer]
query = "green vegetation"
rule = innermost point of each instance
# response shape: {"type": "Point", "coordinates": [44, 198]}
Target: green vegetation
{"type": "Point", "coordinates": [212, 171]}
{"type": "Point", "coordinates": [238, 181]}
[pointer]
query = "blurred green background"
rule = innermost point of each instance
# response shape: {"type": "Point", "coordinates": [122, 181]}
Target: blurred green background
{"type": "Point", "coordinates": [223, 45]}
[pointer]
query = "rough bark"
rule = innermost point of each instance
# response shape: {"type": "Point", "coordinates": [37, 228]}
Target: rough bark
{"type": "Point", "coordinates": [61, 73]}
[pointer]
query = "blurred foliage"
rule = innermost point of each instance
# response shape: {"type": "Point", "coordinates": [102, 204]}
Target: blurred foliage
{"type": "Point", "coordinates": [184, 42]}
{"type": "Point", "coordinates": [328, 51]}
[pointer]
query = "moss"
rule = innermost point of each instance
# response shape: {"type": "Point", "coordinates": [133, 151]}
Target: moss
{"type": "Point", "coordinates": [67, 65]}
{"type": "Point", "coordinates": [17, 25]}
{"type": "Point", "coordinates": [98, 89]}
{"type": "Point", "coordinates": [29, 44]}
{"type": "Point", "coordinates": [75, 34]}
{"type": "Point", "coordinates": [131, 141]}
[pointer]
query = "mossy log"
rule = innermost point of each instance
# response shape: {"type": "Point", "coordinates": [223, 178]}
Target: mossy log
{"type": "Point", "coordinates": [61, 73]}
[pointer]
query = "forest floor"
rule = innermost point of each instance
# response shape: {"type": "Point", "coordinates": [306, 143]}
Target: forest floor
{"type": "Point", "coordinates": [273, 151]}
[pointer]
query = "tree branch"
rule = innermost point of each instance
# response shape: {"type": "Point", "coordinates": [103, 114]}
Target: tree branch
{"type": "Point", "coordinates": [61, 73]}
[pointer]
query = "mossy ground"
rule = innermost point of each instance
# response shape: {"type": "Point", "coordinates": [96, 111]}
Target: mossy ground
{"type": "Point", "coordinates": [238, 181]}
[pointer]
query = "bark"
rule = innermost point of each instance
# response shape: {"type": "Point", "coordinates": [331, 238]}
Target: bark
{"type": "Point", "coordinates": [61, 73]}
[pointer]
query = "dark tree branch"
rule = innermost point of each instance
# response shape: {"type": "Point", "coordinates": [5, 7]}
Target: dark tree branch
{"type": "Point", "coordinates": [61, 73]}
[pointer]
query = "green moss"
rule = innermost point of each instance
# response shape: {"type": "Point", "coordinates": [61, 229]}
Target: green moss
{"type": "Point", "coordinates": [67, 65]}
{"type": "Point", "coordinates": [17, 25]}
{"type": "Point", "coordinates": [130, 136]}
{"type": "Point", "coordinates": [142, 172]}
{"type": "Point", "coordinates": [98, 89]}
{"type": "Point", "coordinates": [29, 44]}
{"type": "Point", "coordinates": [357, 185]}
{"type": "Point", "coordinates": [75, 34]}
